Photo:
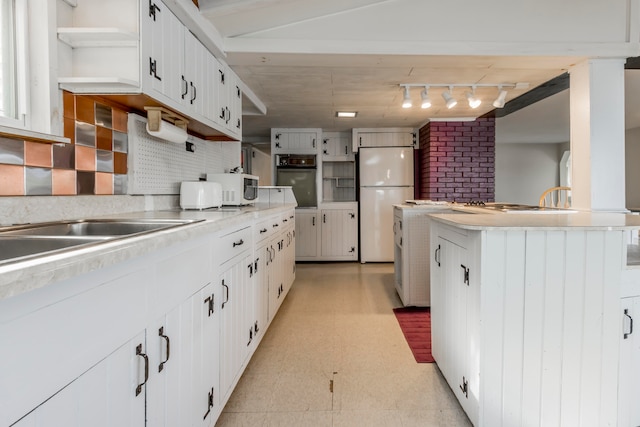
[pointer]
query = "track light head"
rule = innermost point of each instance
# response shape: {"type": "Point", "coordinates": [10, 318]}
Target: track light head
{"type": "Point", "coordinates": [500, 100]}
{"type": "Point", "coordinates": [449, 99]}
{"type": "Point", "coordinates": [472, 100]}
{"type": "Point", "coordinates": [426, 101]}
{"type": "Point", "coordinates": [406, 101]}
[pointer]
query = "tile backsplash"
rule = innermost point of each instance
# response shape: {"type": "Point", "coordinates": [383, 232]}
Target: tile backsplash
{"type": "Point", "coordinates": [95, 162]}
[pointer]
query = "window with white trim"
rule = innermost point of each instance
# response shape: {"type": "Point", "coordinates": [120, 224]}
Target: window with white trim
{"type": "Point", "coordinates": [12, 62]}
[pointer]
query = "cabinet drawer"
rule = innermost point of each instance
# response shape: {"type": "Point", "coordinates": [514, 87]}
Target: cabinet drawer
{"type": "Point", "coordinates": [263, 230]}
{"type": "Point", "coordinates": [234, 243]}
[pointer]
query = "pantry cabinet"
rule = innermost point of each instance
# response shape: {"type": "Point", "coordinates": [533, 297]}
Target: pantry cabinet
{"type": "Point", "coordinates": [508, 311]}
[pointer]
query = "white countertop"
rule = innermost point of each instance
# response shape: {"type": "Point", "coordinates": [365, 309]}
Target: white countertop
{"type": "Point", "coordinates": [559, 221]}
{"type": "Point", "coordinates": [20, 277]}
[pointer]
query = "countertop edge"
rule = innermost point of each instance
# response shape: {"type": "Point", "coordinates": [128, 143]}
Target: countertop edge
{"type": "Point", "coordinates": [21, 277]}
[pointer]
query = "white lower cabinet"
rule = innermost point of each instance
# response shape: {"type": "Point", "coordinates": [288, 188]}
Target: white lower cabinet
{"type": "Point", "coordinates": [307, 230]}
{"type": "Point", "coordinates": [629, 410]}
{"type": "Point", "coordinates": [327, 234]}
{"type": "Point", "coordinates": [102, 396]}
{"type": "Point", "coordinates": [526, 324]}
{"type": "Point", "coordinates": [158, 341]}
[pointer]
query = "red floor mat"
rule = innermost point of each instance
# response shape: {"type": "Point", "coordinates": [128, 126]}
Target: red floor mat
{"type": "Point", "coordinates": [415, 323]}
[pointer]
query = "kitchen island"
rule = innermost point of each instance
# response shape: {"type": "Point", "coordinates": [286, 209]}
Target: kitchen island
{"type": "Point", "coordinates": [531, 317]}
{"type": "Point", "coordinates": [155, 328]}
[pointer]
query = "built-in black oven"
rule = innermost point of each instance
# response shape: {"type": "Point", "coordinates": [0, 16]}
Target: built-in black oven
{"type": "Point", "coordinates": [299, 171]}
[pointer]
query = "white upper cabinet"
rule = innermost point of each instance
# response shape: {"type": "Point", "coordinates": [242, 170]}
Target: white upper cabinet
{"type": "Point", "coordinates": [383, 137]}
{"type": "Point", "coordinates": [142, 48]}
{"type": "Point", "coordinates": [295, 140]}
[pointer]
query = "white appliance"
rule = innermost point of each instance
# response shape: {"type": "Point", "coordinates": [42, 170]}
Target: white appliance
{"type": "Point", "coordinates": [237, 188]}
{"type": "Point", "coordinates": [386, 179]}
{"type": "Point", "coordinates": [200, 195]}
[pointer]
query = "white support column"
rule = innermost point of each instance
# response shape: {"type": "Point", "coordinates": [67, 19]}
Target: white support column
{"type": "Point", "coordinates": [597, 135]}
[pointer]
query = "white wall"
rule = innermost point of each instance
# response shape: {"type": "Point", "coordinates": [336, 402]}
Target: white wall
{"type": "Point", "coordinates": [632, 160]}
{"type": "Point", "coordinates": [524, 171]}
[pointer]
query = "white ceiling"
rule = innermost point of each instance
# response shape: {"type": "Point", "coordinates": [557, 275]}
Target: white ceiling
{"type": "Point", "coordinates": [306, 89]}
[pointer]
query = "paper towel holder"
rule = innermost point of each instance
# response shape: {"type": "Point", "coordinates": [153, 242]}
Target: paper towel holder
{"type": "Point", "coordinates": [156, 114]}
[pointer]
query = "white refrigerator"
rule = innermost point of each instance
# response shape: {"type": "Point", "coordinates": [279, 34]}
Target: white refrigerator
{"type": "Point", "coordinates": [386, 178]}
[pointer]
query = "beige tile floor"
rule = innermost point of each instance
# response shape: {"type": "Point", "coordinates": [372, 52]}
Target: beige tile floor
{"type": "Point", "coordinates": [337, 325]}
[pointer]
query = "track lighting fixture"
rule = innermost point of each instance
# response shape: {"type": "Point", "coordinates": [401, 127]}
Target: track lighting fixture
{"type": "Point", "coordinates": [406, 101]}
{"type": "Point", "coordinates": [502, 96]}
{"type": "Point", "coordinates": [472, 98]}
{"type": "Point", "coordinates": [449, 99]}
{"type": "Point", "coordinates": [426, 101]}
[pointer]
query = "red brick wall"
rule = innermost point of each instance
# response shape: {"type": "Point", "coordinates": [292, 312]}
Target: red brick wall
{"type": "Point", "coordinates": [457, 161]}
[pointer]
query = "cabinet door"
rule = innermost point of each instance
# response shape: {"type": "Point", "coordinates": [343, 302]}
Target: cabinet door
{"type": "Point", "coordinates": [162, 41]}
{"type": "Point", "coordinates": [175, 395]}
{"type": "Point", "coordinates": [224, 112]}
{"type": "Point", "coordinates": [454, 324]}
{"type": "Point", "coordinates": [307, 226]}
{"type": "Point", "coordinates": [336, 147]}
{"type": "Point", "coordinates": [105, 395]}
{"type": "Point", "coordinates": [295, 141]}
{"type": "Point", "coordinates": [194, 67]}
{"type": "Point", "coordinates": [629, 387]}
{"type": "Point", "coordinates": [339, 233]}
{"type": "Point", "coordinates": [205, 371]}
{"type": "Point", "coordinates": [234, 327]}
{"type": "Point", "coordinates": [235, 105]}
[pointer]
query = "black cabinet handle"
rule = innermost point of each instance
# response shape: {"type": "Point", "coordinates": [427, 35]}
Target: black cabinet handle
{"type": "Point", "coordinates": [466, 274]}
{"type": "Point", "coordinates": [238, 243]}
{"type": "Point", "coordinates": [168, 348]}
{"type": "Point", "coordinates": [264, 230]}
{"type": "Point", "coordinates": [437, 256]}
{"type": "Point", "coordinates": [185, 85]}
{"type": "Point", "coordinates": [226, 294]}
{"type": "Point", "coordinates": [146, 368]}
{"type": "Point", "coordinates": [153, 68]}
{"type": "Point", "coordinates": [626, 334]}
{"type": "Point", "coordinates": [153, 8]}
{"type": "Point", "coordinates": [209, 404]}
{"type": "Point", "coordinates": [210, 301]}
{"type": "Point", "coordinates": [194, 93]}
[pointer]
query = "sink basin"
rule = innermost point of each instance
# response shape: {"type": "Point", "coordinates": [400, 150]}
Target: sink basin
{"type": "Point", "coordinates": [109, 228]}
{"type": "Point", "coordinates": [17, 248]}
{"type": "Point", "coordinates": [18, 243]}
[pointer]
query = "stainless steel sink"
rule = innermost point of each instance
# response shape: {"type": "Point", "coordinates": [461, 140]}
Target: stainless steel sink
{"type": "Point", "coordinates": [16, 248]}
{"type": "Point", "coordinates": [109, 228]}
{"type": "Point", "coordinates": [18, 243]}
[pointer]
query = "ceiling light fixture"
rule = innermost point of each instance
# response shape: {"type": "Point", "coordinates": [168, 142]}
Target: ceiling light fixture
{"type": "Point", "coordinates": [406, 101]}
{"type": "Point", "coordinates": [471, 98]}
{"type": "Point", "coordinates": [500, 100]}
{"type": "Point", "coordinates": [426, 101]}
{"type": "Point", "coordinates": [449, 99]}
{"type": "Point", "coordinates": [348, 114]}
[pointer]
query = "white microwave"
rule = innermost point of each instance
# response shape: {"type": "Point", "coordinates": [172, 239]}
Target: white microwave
{"type": "Point", "coordinates": [237, 188]}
